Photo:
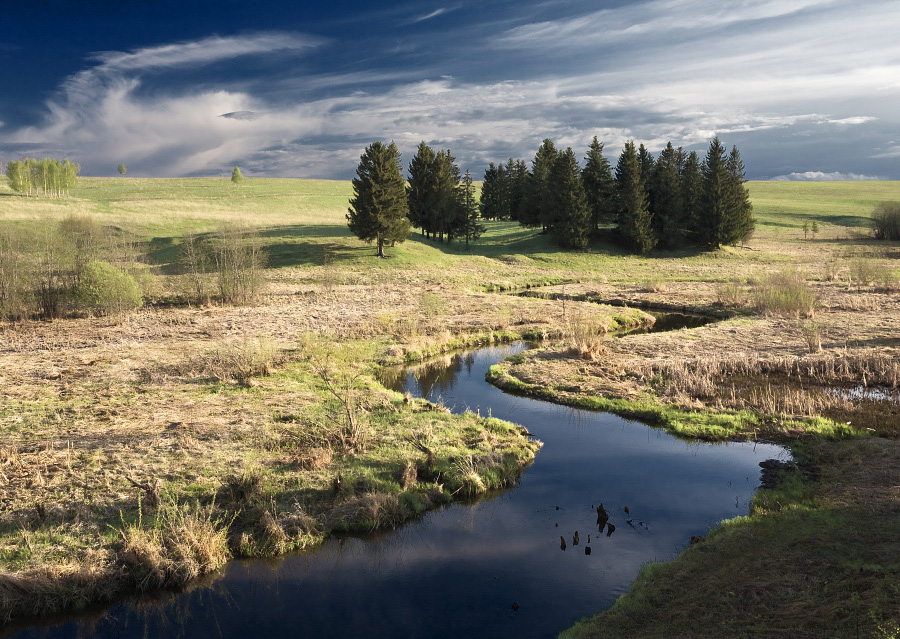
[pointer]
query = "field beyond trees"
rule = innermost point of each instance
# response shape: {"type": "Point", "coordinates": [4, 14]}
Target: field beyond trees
{"type": "Point", "coordinates": [259, 428]}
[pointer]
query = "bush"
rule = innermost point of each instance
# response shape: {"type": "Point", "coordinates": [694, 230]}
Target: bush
{"type": "Point", "coordinates": [104, 288]}
{"type": "Point", "coordinates": [886, 221]}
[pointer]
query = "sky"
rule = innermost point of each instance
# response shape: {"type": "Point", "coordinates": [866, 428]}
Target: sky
{"type": "Point", "coordinates": [806, 89]}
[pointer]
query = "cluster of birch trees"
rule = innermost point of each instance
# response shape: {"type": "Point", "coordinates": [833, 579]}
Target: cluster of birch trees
{"type": "Point", "coordinates": [46, 177]}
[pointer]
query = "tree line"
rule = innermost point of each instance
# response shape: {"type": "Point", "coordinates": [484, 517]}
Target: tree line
{"type": "Point", "coordinates": [46, 177]}
{"type": "Point", "coordinates": [669, 201]}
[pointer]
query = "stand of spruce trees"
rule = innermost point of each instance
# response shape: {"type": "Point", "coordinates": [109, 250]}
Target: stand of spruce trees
{"type": "Point", "coordinates": [672, 201]}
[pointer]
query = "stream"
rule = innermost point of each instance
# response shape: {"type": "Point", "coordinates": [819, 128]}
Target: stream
{"type": "Point", "coordinates": [491, 568]}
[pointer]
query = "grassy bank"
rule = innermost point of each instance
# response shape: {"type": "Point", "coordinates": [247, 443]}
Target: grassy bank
{"type": "Point", "coordinates": [815, 558]}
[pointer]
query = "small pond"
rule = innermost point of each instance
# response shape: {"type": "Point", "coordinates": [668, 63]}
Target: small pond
{"type": "Point", "coordinates": [458, 571]}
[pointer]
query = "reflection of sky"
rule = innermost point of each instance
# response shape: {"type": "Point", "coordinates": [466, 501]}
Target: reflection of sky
{"type": "Point", "coordinates": [457, 572]}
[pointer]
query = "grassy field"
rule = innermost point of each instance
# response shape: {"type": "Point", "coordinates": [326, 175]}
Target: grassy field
{"type": "Point", "coordinates": [261, 428]}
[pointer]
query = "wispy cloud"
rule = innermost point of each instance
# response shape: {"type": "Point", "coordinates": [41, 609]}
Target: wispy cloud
{"type": "Point", "coordinates": [433, 14]}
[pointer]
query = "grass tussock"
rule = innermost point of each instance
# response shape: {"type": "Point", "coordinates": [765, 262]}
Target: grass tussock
{"type": "Point", "coordinates": [180, 544]}
{"type": "Point", "coordinates": [587, 336]}
{"type": "Point", "coordinates": [786, 294]}
{"type": "Point", "coordinates": [240, 361]}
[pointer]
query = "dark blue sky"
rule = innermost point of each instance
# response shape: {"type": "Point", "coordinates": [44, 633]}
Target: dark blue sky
{"type": "Point", "coordinates": [807, 89]}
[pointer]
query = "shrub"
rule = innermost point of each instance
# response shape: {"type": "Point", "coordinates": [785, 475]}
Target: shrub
{"type": "Point", "coordinates": [16, 285]}
{"type": "Point", "coordinates": [104, 288]}
{"type": "Point", "coordinates": [239, 260]}
{"type": "Point", "coordinates": [886, 221]}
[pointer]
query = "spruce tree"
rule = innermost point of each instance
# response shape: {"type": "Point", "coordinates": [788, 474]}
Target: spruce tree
{"type": "Point", "coordinates": [739, 222]}
{"type": "Point", "coordinates": [473, 228]}
{"type": "Point", "coordinates": [122, 169]}
{"type": "Point", "coordinates": [646, 162]}
{"type": "Point", "coordinates": [535, 211]}
{"type": "Point", "coordinates": [572, 216]}
{"type": "Point", "coordinates": [516, 185]}
{"type": "Point", "coordinates": [449, 217]}
{"type": "Point", "coordinates": [714, 197]}
{"type": "Point", "coordinates": [634, 220]}
{"type": "Point", "coordinates": [236, 176]}
{"type": "Point", "coordinates": [492, 196]}
{"type": "Point", "coordinates": [669, 220]}
{"type": "Point", "coordinates": [599, 186]}
{"type": "Point", "coordinates": [421, 189]}
{"type": "Point", "coordinates": [378, 209]}
{"type": "Point", "coordinates": [691, 187]}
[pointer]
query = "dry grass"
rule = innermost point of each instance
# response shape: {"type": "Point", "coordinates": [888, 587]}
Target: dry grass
{"type": "Point", "coordinates": [183, 543]}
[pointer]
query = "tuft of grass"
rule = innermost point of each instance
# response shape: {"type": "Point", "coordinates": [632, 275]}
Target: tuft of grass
{"type": "Point", "coordinates": [241, 360]}
{"type": "Point", "coordinates": [180, 544]}
{"type": "Point", "coordinates": [785, 293]}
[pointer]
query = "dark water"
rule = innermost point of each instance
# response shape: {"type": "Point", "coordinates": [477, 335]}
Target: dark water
{"type": "Point", "coordinates": [458, 571]}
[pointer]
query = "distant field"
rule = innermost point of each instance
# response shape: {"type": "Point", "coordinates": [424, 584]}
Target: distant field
{"type": "Point", "coordinates": [303, 223]}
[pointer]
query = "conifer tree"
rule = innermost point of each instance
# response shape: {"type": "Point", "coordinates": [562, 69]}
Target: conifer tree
{"type": "Point", "coordinates": [572, 216]}
{"type": "Point", "coordinates": [634, 219]}
{"type": "Point", "coordinates": [236, 176]}
{"type": "Point", "coordinates": [714, 197]}
{"type": "Point", "coordinates": [421, 189]}
{"type": "Point", "coordinates": [739, 221]}
{"type": "Point", "coordinates": [599, 186]}
{"type": "Point", "coordinates": [122, 169]}
{"type": "Point", "coordinates": [691, 181]}
{"type": "Point", "coordinates": [473, 228]}
{"type": "Point", "coordinates": [378, 210]}
{"type": "Point", "coordinates": [669, 220]}
{"type": "Point", "coordinates": [449, 217]}
{"type": "Point", "coordinates": [492, 196]}
{"type": "Point", "coordinates": [516, 185]}
{"type": "Point", "coordinates": [646, 162]}
{"type": "Point", "coordinates": [535, 211]}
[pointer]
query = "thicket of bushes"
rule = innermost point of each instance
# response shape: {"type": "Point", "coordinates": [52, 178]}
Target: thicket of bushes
{"type": "Point", "coordinates": [75, 265]}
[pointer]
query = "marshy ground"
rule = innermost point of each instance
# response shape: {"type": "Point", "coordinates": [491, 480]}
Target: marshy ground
{"type": "Point", "coordinates": [143, 450]}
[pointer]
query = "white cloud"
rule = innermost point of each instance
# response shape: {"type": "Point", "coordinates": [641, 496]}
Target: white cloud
{"type": "Point", "coordinates": [819, 176]}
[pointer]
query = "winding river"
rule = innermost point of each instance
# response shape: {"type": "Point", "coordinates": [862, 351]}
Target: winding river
{"type": "Point", "coordinates": [493, 568]}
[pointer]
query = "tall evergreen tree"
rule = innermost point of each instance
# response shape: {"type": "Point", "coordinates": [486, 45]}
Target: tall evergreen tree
{"type": "Point", "coordinates": [669, 220]}
{"type": "Point", "coordinates": [714, 197]}
{"type": "Point", "coordinates": [378, 209]}
{"type": "Point", "coordinates": [449, 218]}
{"type": "Point", "coordinates": [646, 162]}
{"type": "Point", "coordinates": [516, 186]}
{"type": "Point", "coordinates": [473, 228]}
{"type": "Point", "coordinates": [634, 219]}
{"type": "Point", "coordinates": [493, 200]}
{"type": "Point", "coordinates": [572, 216]}
{"type": "Point", "coordinates": [739, 222]}
{"type": "Point", "coordinates": [421, 190]}
{"type": "Point", "coordinates": [535, 210]}
{"type": "Point", "coordinates": [691, 182]}
{"type": "Point", "coordinates": [599, 186]}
